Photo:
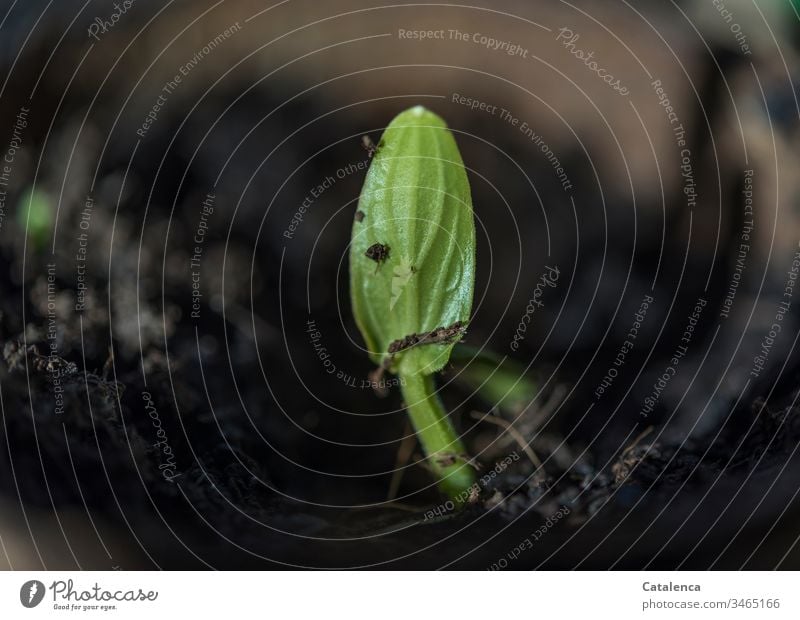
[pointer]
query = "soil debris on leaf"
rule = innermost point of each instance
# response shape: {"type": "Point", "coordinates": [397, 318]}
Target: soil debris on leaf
{"type": "Point", "coordinates": [451, 458]}
{"type": "Point", "coordinates": [439, 335]}
{"type": "Point", "coordinates": [369, 146]}
{"type": "Point", "coordinates": [377, 252]}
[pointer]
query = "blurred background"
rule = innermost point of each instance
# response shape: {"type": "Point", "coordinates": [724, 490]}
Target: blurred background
{"type": "Point", "coordinates": [176, 196]}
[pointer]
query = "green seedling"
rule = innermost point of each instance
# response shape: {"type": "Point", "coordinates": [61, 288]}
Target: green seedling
{"type": "Point", "coordinates": [35, 216]}
{"type": "Point", "coordinates": [412, 274]}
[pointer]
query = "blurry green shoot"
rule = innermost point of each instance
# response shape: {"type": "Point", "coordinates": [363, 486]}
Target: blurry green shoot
{"type": "Point", "coordinates": [502, 382]}
{"type": "Point", "coordinates": [35, 217]}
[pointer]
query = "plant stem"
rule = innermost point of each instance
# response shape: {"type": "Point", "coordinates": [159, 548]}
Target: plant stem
{"type": "Point", "coordinates": [446, 454]}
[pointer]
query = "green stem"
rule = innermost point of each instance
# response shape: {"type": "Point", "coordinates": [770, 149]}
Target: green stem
{"type": "Point", "coordinates": [446, 454]}
{"type": "Point", "coordinates": [501, 382]}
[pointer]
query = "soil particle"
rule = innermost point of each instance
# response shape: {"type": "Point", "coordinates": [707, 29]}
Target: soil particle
{"type": "Point", "coordinates": [377, 252]}
{"type": "Point", "coordinates": [450, 458]}
{"type": "Point", "coordinates": [635, 456]}
{"type": "Point", "coordinates": [436, 336]}
{"type": "Point", "coordinates": [14, 355]}
{"type": "Point", "coordinates": [369, 145]}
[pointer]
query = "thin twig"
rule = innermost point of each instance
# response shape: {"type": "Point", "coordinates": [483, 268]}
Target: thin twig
{"type": "Point", "coordinates": [404, 453]}
{"type": "Point", "coordinates": [636, 441]}
{"type": "Point", "coordinates": [513, 432]}
{"type": "Point", "coordinates": [533, 418]}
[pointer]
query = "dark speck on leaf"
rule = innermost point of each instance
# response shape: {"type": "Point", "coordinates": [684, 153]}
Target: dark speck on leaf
{"type": "Point", "coordinates": [377, 252]}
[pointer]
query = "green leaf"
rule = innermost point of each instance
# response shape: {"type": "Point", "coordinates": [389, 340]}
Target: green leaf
{"type": "Point", "coordinates": [412, 256]}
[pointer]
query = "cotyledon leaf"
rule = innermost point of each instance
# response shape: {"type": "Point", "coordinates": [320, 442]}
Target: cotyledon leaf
{"type": "Point", "coordinates": [412, 254]}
